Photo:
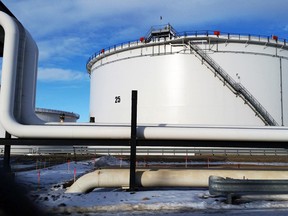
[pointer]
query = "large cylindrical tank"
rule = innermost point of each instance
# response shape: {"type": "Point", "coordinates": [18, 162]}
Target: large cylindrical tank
{"type": "Point", "coordinates": [192, 79]}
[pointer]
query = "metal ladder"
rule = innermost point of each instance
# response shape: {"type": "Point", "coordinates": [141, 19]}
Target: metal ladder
{"type": "Point", "coordinates": [235, 87]}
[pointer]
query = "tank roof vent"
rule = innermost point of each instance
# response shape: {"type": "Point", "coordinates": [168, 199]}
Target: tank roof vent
{"type": "Point", "coordinates": [162, 31]}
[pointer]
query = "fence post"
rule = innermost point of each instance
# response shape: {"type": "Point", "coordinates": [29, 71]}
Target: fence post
{"type": "Point", "coordinates": [133, 142]}
{"type": "Point", "coordinates": [7, 152]}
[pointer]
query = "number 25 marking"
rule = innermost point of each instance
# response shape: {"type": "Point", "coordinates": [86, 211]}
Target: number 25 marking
{"type": "Point", "coordinates": [117, 99]}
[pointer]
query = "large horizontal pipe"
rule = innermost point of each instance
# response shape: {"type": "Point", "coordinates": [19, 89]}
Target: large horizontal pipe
{"type": "Point", "coordinates": [17, 105]}
{"type": "Point", "coordinates": [165, 178]}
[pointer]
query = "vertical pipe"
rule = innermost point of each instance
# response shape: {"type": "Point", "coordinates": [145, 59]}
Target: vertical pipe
{"type": "Point", "coordinates": [7, 151]}
{"type": "Point", "coordinates": [281, 93]}
{"type": "Point", "coordinates": [133, 142]}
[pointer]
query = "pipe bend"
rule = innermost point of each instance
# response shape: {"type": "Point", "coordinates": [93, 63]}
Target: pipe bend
{"type": "Point", "coordinates": [9, 65]}
{"type": "Point", "coordinates": [165, 178]}
{"type": "Point", "coordinates": [27, 125]}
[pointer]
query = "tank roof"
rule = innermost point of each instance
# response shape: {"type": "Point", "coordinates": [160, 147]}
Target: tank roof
{"type": "Point", "coordinates": [60, 112]}
{"type": "Point", "coordinates": [166, 34]}
{"type": "Point", "coordinates": [162, 31]}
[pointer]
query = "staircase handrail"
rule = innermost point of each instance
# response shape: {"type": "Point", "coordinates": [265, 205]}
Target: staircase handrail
{"type": "Point", "coordinates": [238, 88]}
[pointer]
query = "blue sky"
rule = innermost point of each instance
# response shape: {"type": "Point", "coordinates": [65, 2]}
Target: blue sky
{"type": "Point", "coordinates": [68, 32]}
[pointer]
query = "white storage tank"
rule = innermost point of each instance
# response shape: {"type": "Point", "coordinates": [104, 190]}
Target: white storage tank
{"type": "Point", "coordinates": [51, 115]}
{"type": "Point", "coordinates": [48, 115]}
{"type": "Point", "coordinates": [203, 78]}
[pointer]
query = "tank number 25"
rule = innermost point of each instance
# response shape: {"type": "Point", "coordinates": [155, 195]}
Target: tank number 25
{"type": "Point", "coordinates": [117, 99]}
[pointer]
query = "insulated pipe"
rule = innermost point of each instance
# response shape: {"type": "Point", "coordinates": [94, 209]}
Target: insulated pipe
{"type": "Point", "coordinates": [28, 115]}
{"type": "Point", "coordinates": [165, 178]}
{"type": "Point", "coordinates": [12, 67]}
{"type": "Point", "coordinates": [28, 126]}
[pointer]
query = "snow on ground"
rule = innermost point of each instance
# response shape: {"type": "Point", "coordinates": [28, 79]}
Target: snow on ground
{"type": "Point", "coordinates": [47, 191]}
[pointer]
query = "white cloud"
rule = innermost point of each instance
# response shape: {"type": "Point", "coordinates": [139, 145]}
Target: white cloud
{"type": "Point", "coordinates": [64, 30]}
{"type": "Point", "coordinates": [61, 48]}
{"type": "Point", "coordinates": [44, 18]}
{"type": "Point", "coordinates": [58, 74]}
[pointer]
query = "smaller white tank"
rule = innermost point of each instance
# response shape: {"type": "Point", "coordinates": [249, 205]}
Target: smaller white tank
{"type": "Point", "coordinates": [51, 115]}
{"type": "Point", "coordinates": [48, 115]}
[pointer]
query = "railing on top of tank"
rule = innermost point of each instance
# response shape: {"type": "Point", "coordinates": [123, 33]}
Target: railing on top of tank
{"type": "Point", "coordinates": [115, 47]}
{"type": "Point", "coordinates": [201, 33]}
{"type": "Point", "coordinates": [53, 111]}
{"type": "Point", "coordinates": [238, 36]}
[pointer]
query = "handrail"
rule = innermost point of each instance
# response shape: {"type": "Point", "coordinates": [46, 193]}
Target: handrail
{"type": "Point", "coordinates": [280, 42]}
{"type": "Point", "coordinates": [161, 31]}
{"type": "Point", "coordinates": [44, 110]}
{"type": "Point", "coordinates": [239, 36]}
{"type": "Point", "coordinates": [237, 87]}
{"type": "Point", "coordinates": [169, 151]}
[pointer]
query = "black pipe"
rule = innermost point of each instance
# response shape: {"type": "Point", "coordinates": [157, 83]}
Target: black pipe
{"type": "Point", "coordinates": [133, 142]}
{"type": "Point", "coordinates": [7, 151]}
{"type": "Point", "coordinates": [6, 10]}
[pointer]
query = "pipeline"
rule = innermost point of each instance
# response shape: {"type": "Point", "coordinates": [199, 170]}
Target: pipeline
{"type": "Point", "coordinates": [165, 178]}
{"type": "Point", "coordinates": [17, 105]}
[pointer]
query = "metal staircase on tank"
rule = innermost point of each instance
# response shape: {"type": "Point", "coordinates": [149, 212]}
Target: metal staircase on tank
{"type": "Point", "coordinates": [235, 87]}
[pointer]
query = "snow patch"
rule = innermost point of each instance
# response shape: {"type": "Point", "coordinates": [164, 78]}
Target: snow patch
{"type": "Point", "coordinates": [108, 160]}
{"type": "Point", "coordinates": [49, 194]}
